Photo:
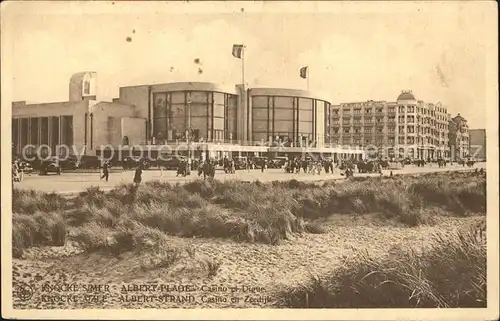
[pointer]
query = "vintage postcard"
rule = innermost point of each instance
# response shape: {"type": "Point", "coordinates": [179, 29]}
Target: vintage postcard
{"type": "Point", "coordinates": [288, 160]}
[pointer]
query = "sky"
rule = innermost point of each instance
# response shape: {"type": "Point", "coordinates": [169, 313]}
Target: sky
{"type": "Point", "coordinates": [355, 51]}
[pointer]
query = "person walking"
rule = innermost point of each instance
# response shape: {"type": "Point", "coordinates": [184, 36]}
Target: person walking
{"type": "Point", "coordinates": [233, 166]}
{"type": "Point", "coordinates": [225, 164]}
{"type": "Point", "coordinates": [200, 167]}
{"type": "Point", "coordinates": [105, 170]}
{"type": "Point", "coordinates": [138, 175]}
{"type": "Point", "coordinates": [206, 169]}
{"type": "Point", "coordinates": [212, 170]}
{"type": "Point", "coordinates": [185, 168]}
{"type": "Point", "coordinates": [179, 168]}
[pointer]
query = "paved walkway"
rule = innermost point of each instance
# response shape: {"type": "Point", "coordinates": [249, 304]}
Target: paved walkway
{"type": "Point", "coordinates": [69, 183]}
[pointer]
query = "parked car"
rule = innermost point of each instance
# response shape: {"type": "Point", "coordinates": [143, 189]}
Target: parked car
{"type": "Point", "coordinates": [406, 161]}
{"type": "Point", "coordinates": [47, 167]}
{"type": "Point", "coordinates": [172, 162]}
{"type": "Point", "coordinates": [258, 160]}
{"type": "Point", "coordinates": [87, 162]}
{"type": "Point", "coordinates": [278, 162]}
{"type": "Point", "coordinates": [240, 162]}
{"type": "Point", "coordinates": [70, 163]}
{"type": "Point", "coordinates": [130, 162]}
{"type": "Point", "coordinates": [26, 167]}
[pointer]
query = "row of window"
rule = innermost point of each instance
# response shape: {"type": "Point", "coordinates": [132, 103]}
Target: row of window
{"type": "Point", "coordinates": [207, 114]}
{"type": "Point", "coordinates": [368, 110]}
{"type": "Point", "coordinates": [409, 140]}
{"type": "Point", "coordinates": [366, 130]}
{"type": "Point", "coordinates": [379, 121]}
{"type": "Point", "coordinates": [410, 109]}
{"type": "Point", "coordinates": [401, 119]}
{"type": "Point", "coordinates": [379, 132]}
{"type": "Point", "coordinates": [366, 120]}
{"type": "Point", "coordinates": [409, 129]}
{"type": "Point", "coordinates": [294, 117]}
{"type": "Point", "coordinates": [50, 131]}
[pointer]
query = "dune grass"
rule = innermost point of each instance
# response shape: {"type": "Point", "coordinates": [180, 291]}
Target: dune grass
{"type": "Point", "coordinates": [37, 229]}
{"type": "Point", "coordinates": [31, 201]}
{"type": "Point", "coordinates": [249, 212]}
{"type": "Point", "coordinates": [450, 274]}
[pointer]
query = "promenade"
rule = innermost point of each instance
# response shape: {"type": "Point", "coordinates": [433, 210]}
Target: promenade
{"type": "Point", "coordinates": [69, 183]}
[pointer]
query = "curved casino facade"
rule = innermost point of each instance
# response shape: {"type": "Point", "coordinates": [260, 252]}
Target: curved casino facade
{"type": "Point", "coordinates": [295, 116]}
{"type": "Point", "coordinates": [208, 109]}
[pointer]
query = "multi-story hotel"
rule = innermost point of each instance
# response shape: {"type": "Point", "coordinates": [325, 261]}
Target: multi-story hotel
{"type": "Point", "coordinates": [404, 128]}
{"type": "Point", "coordinates": [459, 138]}
{"type": "Point", "coordinates": [212, 119]}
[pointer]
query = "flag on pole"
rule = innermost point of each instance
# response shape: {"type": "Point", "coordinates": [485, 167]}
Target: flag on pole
{"type": "Point", "coordinates": [237, 50]}
{"type": "Point", "coordinates": [303, 72]}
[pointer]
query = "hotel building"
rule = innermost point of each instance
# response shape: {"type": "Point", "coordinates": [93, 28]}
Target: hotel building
{"type": "Point", "coordinates": [459, 138]}
{"type": "Point", "coordinates": [208, 119]}
{"type": "Point", "coordinates": [405, 128]}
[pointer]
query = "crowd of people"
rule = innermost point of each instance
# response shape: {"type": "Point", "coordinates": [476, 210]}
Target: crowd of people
{"type": "Point", "coordinates": [308, 165]}
{"type": "Point", "coordinates": [207, 168]}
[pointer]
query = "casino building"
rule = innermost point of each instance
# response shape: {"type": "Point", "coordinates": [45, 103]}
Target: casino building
{"type": "Point", "coordinates": [208, 119]}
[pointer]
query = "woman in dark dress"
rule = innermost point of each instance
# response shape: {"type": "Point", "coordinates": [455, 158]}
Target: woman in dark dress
{"type": "Point", "coordinates": [212, 170]}
{"type": "Point", "coordinates": [138, 174]}
{"type": "Point", "coordinates": [105, 171]}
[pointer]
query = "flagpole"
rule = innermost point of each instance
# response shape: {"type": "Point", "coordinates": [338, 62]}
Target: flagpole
{"type": "Point", "coordinates": [243, 66]}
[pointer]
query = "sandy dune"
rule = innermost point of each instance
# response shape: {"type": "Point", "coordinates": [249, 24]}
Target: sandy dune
{"type": "Point", "coordinates": [250, 272]}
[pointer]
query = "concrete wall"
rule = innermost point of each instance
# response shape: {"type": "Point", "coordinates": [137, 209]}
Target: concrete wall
{"type": "Point", "coordinates": [115, 136]}
{"type": "Point", "coordinates": [102, 125]}
{"type": "Point", "coordinates": [138, 97]}
{"type": "Point", "coordinates": [134, 129]}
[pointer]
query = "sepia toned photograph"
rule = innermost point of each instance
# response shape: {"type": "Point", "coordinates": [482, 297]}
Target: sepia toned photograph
{"type": "Point", "coordinates": [285, 157]}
